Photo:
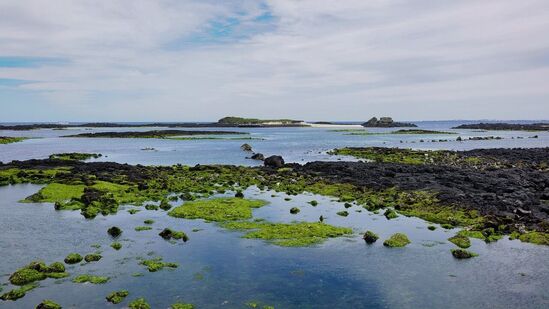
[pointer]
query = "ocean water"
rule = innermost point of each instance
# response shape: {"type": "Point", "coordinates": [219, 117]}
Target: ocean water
{"type": "Point", "coordinates": [219, 269]}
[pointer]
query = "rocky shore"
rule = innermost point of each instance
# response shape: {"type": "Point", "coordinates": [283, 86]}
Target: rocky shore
{"type": "Point", "coordinates": [506, 126]}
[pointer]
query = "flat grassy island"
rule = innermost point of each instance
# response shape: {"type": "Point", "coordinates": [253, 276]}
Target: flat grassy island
{"type": "Point", "coordinates": [10, 140]}
{"type": "Point", "coordinates": [156, 134]}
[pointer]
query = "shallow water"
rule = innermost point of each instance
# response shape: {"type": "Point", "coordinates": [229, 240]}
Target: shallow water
{"type": "Point", "coordinates": [220, 269]}
{"type": "Point", "coordinates": [294, 144]}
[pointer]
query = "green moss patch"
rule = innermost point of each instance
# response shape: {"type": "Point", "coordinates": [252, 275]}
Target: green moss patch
{"type": "Point", "coordinates": [219, 209]}
{"type": "Point", "coordinates": [142, 228]}
{"type": "Point", "coordinates": [116, 245]}
{"type": "Point", "coordinates": [9, 140]}
{"type": "Point", "coordinates": [397, 240]}
{"type": "Point", "coordinates": [139, 303]}
{"type": "Point", "coordinates": [91, 279]}
{"type": "Point", "coordinates": [182, 306]}
{"type": "Point", "coordinates": [157, 264]}
{"type": "Point", "coordinates": [538, 238]}
{"type": "Point", "coordinates": [117, 297]}
{"type": "Point", "coordinates": [296, 234]}
{"type": "Point", "coordinates": [460, 241]}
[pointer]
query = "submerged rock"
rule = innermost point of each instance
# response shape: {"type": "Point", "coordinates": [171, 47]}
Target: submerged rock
{"type": "Point", "coordinates": [370, 237]}
{"type": "Point", "coordinates": [246, 147]}
{"type": "Point", "coordinates": [117, 296]}
{"type": "Point", "coordinates": [114, 231]}
{"type": "Point", "coordinates": [294, 210]}
{"type": "Point", "coordinates": [274, 161]}
{"type": "Point", "coordinates": [258, 156]}
{"type": "Point", "coordinates": [94, 257]}
{"type": "Point", "coordinates": [48, 304]}
{"type": "Point", "coordinates": [463, 254]}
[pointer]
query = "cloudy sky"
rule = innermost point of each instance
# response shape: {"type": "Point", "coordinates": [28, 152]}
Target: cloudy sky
{"type": "Point", "coordinates": [176, 60]}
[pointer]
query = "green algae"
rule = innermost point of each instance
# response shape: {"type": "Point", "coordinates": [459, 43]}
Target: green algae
{"type": "Point", "coordinates": [148, 221]}
{"type": "Point", "coordinates": [91, 279]}
{"type": "Point", "coordinates": [488, 235]}
{"type": "Point", "coordinates": [142, 228]}
{"type": "Point", "coordinates": [157, 264]}
{"type": "Point", "coordinates": [117, 297]}
{"type": "Point", "coordinates": [15, 294]}
{"type": "Point", "coordinates": [48, 304]}
{"type": "Point", "coordinates": [139, 303]}
{"type": "Point", "coordinates": [537, 238]}
{"type": "Point", "coordinates": [460, 241]}
{"type": "Point", "coordinates": [463, 254]}
{"type": "Point", "coordinates": [93, 257]}
{"type": "Point", "coordinates": [219, 209]}
{"type": "Point", "coordinates": [397, 240]}
{"type": "Point", "coordinates": [182, 306]}
{"type": "Point", "coordinates": [297, 234]}
{"type": "Point", "coordinates": [73, 258]}
{"type": "Point", "coordinates": [370, 237]}
{"type": "Point", "coordinates": [116, 245]}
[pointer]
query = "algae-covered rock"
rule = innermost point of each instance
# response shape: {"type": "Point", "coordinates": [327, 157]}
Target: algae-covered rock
{"type": "Point", "coordinates": [117, 297]}
{"type": "Point", "coordinates": [26, 275]}
{"type": "Point", "coordinates": [157, 264]}
{"type": "Point", "coordinates": [390, 214]}
{"type": "Point", "coordinates": [116, 245]}
{"type": "Point", "coordinates": [370, 237]}
{"type": "Point", "coordinates": [463, 254]}
{"type": "Point", "coordinates": [73, 258]}
{"type": "Point", "coordinates": [48, 304]}
{"type": "Point", "coordinates": [431, 227]}
{"type": "Point", "coordinates": [114, 231]}
{"type": "Point", "coordinates": [313, 203]}
{"type": "Point", "coordinates": [139, 303]}
{"type": "Point", "coordinates": [165, 205]}
{"type": "Point", "coordinates": [294, 210]}
{"type": "Point", "coordinates": [343, 213]}
{"type": "Point", "coordinates": [397, 240]}
{"type": "Point", "coordinates": [93, 257]}
{"type": "Point", "coordinates": [18, 293]}
{"type": "Point", "coordinates": [246, 147]}
{"type": "Point", "coordinates": [460, 241]}
{"type": "Point", "coordinates": [148, 221]}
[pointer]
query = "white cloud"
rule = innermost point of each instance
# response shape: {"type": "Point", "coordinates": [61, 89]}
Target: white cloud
{"type": "Point", "coordinates": [316, 59]}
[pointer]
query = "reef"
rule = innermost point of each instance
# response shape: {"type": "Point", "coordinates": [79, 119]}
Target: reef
{"type": "Point", "coordinates": [505, 126]}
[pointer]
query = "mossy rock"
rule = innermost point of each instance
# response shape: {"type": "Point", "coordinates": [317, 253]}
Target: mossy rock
{"type": "Point", "coordinates": [117, 297]}
{"type": "Point", "coordinates": [165, 205]}
{"type": "Point", "coordinates": [139, 303]}
{"type": "Point", "coordinates": [370, 237]}
{"type": "Point", "coordinates": [114, 231]}
{"type": "Point", "coordinates": [463, 254]}
{"type": "Point", "coordinates": [157, 264]}
{"type": "Point", "coordinates": [26, 275]}
{"type": "Point", "coordinates": [116, 245]}
{"type": "Point", "coordinates": [538, 238]}
{"type": "Point", "coordinates": [397, 240]}
{"type": "Point", "coordinates": [151, 207]}
{"type": "Point", "coordinates": [313, 203]}
{"type": "Point", "coordinates": [460, 241]}
{"type": "Point", "coordinates": [168, 234]}
{"type": "Point", "coordinates": [48, 304]}
{"type": "Point", "coordinates": [73, 258]}
{"type": "Point", "coordinates": [94, 257]}
{"type": "Point", "coordinates": [390, 214]}
{"type": "Point", "coordinates": [142, 228]}
{"type": "Point", "coordinates": [343, 213]}
{"type": "Point", "coordinates": [294, 210]}
{"type": "Point", "coordinates": [148, 221]}
{"type": "Point", "coordinates": [431, 227]}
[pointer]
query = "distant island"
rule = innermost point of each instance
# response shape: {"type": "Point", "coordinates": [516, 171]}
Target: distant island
{"type": "Point", "coordinates": [505, 126]}
{"type": "Point", "coordinates": [385, 122]}
{"type": "Point", "coordinates": [254, 122]}
{"type": "Point", "coordinates": [153, 134]}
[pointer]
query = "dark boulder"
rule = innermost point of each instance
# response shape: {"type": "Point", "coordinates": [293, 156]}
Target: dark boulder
{"type": "Point", "coordinates": [274, 161]}
{"type": "Point", "coordinates": [258, 156]}
{"type": "Point", "coordinates": [114, 231]}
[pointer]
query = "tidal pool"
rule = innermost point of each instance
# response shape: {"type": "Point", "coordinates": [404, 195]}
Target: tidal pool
{"type": "Point", "coordinates": [218, 268]}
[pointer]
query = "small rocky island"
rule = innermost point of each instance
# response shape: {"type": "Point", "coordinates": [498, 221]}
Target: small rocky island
{"type": "Point", "coordinates": [385, 122]}
{"type": "Point", "coordinates": [500, 126]}
{"type": "Point", "coordinates": [254, 122]}
{"type": "Point", "coordinates": [154, 134]}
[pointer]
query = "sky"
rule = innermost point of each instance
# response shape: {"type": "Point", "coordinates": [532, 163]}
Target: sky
{"type": "Point", "coordinates": [177, 60]}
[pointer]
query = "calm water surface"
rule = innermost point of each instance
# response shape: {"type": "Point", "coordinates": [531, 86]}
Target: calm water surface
{"type": "Point", "coordinates": [219, 269]}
